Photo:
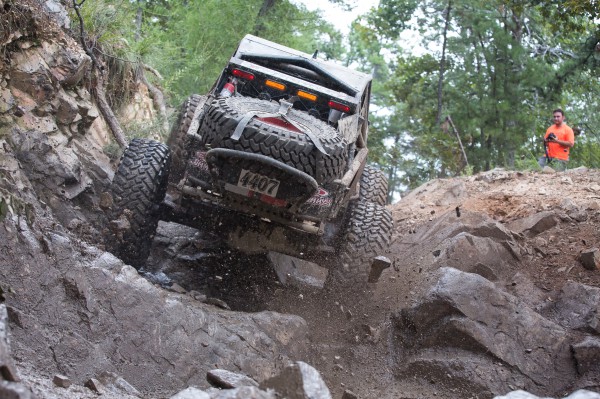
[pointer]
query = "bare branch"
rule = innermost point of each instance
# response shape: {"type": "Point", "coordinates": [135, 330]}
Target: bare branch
{"type": "Point", "coordinates": [153, 71]}
{"type": "Point", "coordinates": [543, 50]}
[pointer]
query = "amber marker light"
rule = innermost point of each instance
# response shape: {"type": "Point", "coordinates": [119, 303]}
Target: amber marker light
{"type": "Point", "coordinates": [307, 96]}
{"type": "Point", "coordinates": [275, 85]}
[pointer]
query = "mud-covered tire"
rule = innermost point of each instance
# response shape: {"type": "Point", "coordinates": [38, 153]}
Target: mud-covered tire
{"type": "Point", "coordinates": [292, 148]}
{"type": "Point", "coordinates": [373, 186]}
{"type": "Point", "coordinates": [138, 188]}
{"type": "Point", "coordinates": [367, 233]}
{"type": "Point", "coordinates": [176, 140]}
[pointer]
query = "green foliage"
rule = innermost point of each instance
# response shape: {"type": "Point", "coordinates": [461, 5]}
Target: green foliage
{"type": "Point", "coordinates": [107, 25]}
{"type": "Point", "coordinates": [189, 41]}
{"type": "Point", "coordinates": [507, 65]}
{"type": "Point", "coordinates": [152, 129]}
{"type": "Point", "coordinates": [197, 37]}
{"type": "Point", "coordinates": [113, 151]}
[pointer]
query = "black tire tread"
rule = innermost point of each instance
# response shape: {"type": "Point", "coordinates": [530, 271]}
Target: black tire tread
{"type": "Point", "coordinates": [373, 186]}
{"type": "Point", "coordinates": [176, 140]}
{"type": "Point", "coordinates": [138, 188]}
{"type": "Point", "coordinates": [366, 235]}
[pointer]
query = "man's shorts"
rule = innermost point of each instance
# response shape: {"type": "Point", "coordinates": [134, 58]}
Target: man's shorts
{"type": "Point", "coordinates": [558, 165]}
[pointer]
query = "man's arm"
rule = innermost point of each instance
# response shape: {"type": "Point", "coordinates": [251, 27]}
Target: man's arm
{"type": "Point", "coordinates": [564, 143]}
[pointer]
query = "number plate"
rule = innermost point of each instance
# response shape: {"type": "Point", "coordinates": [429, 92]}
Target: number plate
{"type": "Point", "coordinates": [259, 183]}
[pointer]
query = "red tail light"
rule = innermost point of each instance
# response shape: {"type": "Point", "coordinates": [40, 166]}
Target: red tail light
{"type": "Point", "coordinates": [338, 106]}
{"type": "Point", "coordinates": [242, 74]}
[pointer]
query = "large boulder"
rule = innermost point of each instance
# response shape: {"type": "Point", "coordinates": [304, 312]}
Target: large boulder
{"type": "Point", "coordinates": [452, 223]}
{"type": "Point", "coordinates": [466, 332]}
{"type": "Point", "coordinates": [535, 224]}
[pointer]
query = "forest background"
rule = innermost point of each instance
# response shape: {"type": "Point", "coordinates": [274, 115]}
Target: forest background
{"type": "Point", "coordinates": [478, 95]}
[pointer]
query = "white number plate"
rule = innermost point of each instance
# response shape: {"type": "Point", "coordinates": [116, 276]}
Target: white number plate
{"type": "Point", "coordinates": [258, 183]}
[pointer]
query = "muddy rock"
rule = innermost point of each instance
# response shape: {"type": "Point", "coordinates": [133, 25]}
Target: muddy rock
{"type": "Point", "coordinates": [587, 355]}
{"type": "Point", "coordinates": [58, 13]}
{"type": "Point", "coordinates": [590, 259]}
{"type": "Point", "coordinates": [580, 394]}
{"type": "Point", "coordinates": [577, 307]}
{"type": "Point", "coordinates": [298, 381]}
{"type": "Point", "coordinates": [10, 383]}
{"type": "Point", "coordinates": [61, 381]}
{"type": "Point", "coordinates": [191, 393]}
{"type": "Point", "coordinates": [534, 224]}
{"type": "Point", "coordinates": [481, 255]}
{"type": "Point", "coordinates": [9, 373]}
{"type": "Point", "coordinates": [243, 393]}
{"type": "Point", "coordinates": [228, 380]}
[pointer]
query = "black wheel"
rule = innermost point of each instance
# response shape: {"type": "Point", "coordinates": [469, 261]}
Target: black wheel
{"type": "Point", "coordinates": [176, 140]}
{"type": "Point", "coordinates": [373, 186]}
{"type": "Point", "coordinates": [290, 147]}
{"type": "Point", "coordinates": [138, 189]}
{"type": "Point", "coordinates": [366, 234]}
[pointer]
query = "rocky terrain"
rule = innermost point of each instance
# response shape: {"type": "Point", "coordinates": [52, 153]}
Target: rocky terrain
{"type": "Point", "coordinates": [494, 287]}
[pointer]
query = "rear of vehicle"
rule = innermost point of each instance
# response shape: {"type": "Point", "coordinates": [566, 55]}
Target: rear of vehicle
{"type": "Point", "coordinates": [278, 135]}
{"type": "Point", "coordinates": [271, 159]}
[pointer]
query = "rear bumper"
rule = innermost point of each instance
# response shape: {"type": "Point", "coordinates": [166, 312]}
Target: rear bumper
{"type": "Point", "coordinates": [217, 175]}
{"type": "Point", "coordinates": [249, 233]}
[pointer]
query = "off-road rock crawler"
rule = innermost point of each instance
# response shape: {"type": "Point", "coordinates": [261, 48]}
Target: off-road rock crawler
{"type": "Point", "coordinates": [273, 159]}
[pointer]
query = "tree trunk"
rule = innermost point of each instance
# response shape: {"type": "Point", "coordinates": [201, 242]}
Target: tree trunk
{"type": "Point", "coordinates": [442, 63]}
{"type": "Point", "coordinates": [138, 21]}
{"type": "Point", "coordinates": [259, 27]}
{"type": "Point", "coordinates": [462, 149]}
{"type": "Point", "coordinates": [158, 99]}
{"type": "Point", "coordinates": [105, 110]}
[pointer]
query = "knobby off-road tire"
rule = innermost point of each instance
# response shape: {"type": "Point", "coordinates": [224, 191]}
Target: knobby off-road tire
{"type": "Point", "coordinates": [176, 140]}
{"type": "Point", "coordinates": [292, 148]}
{"type": "Point", "coordinates": [138, 189]}
{"type": "Point", "coordinates": [373, 186]}
{"type": "Point", "coordinates": [366, 234]}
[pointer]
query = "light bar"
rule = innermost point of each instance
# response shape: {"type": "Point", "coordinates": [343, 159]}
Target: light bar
{"type": "Point", "coordinates": [339, 106]}
{"type": "Point", "coordinates": [307, 96]}
{"type": "Point", "coordinates": [275, 85]}
{"type": "Point", "coordinates": [242, 74]}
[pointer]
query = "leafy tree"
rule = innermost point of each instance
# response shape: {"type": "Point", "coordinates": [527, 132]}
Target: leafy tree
{"type": "Point", "coordinates": [502, 71]}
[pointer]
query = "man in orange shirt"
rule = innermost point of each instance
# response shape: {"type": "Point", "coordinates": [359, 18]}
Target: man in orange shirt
{"type": "Point", "coordinates": [559, 138]}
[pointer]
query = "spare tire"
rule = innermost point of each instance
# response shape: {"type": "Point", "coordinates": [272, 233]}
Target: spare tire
{"type": "Point", "coordinates": [278, 142]}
